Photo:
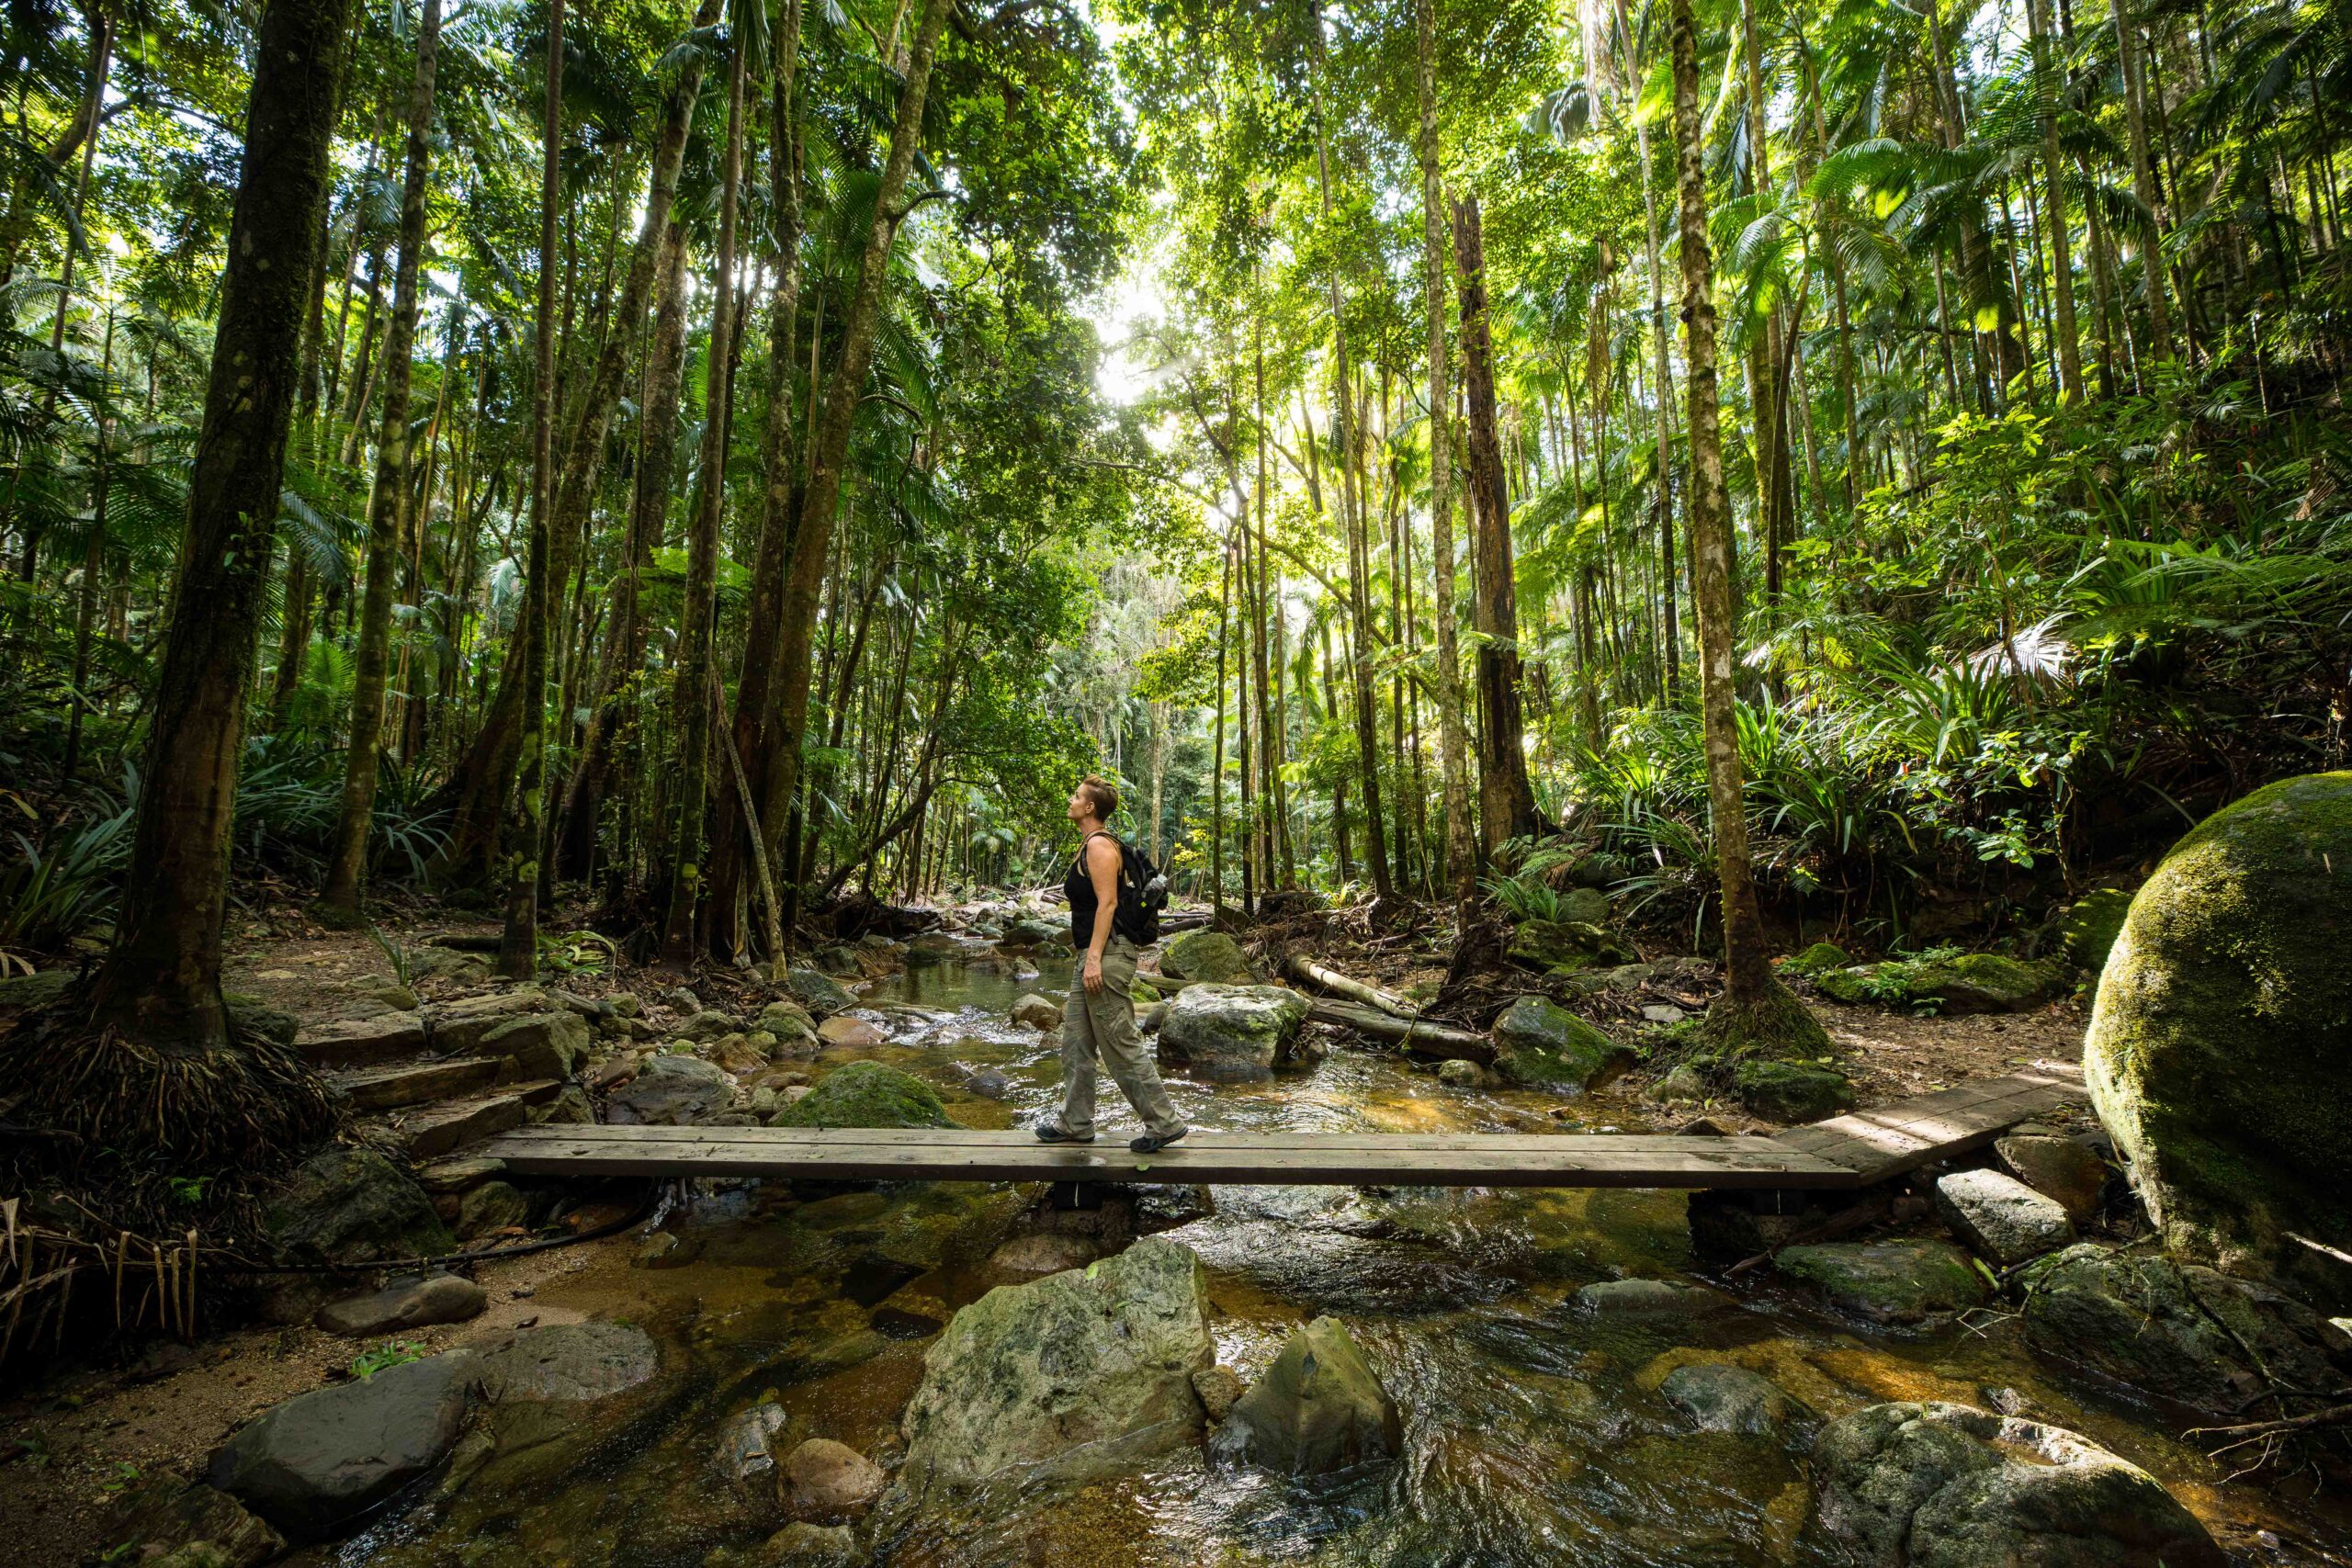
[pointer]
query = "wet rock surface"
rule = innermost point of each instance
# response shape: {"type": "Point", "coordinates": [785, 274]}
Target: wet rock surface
{"type": "Point", "coordinates": [2000, 1218]}
{"type": "Point", "coordinates": [1901, 1281]}
{"type": "Point", "coordinates": [1319, 1408]}
{"type": "Point", "coordinates": [1541, 1044]}
{"type": "Point", "coordinates": [1935, 1486]}
{"type": "Point", "coordinates": [1231, 1033]}
{"type": "Point", "coordinates": [867, 1094]}
{"type": "Point", "coordinates": [321, 1459]}
{"type": "Point", "coordinates": [1719, 1397]}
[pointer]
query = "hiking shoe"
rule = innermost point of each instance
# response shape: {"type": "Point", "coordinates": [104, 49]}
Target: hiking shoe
{"type": "Point", "coordinates": [1053, 1133]}
{"type": "Point", "coordinates": [1152, 1143]}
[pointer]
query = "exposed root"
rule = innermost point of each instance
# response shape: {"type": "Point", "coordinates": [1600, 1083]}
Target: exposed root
{"type": "Point", "coordinates": [1776, 1026]}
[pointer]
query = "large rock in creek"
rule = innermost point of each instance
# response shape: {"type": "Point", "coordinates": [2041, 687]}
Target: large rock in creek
{"type": "Point", "coordinates": [2219, 1048]}
{"type": "Point", "coordinates": [405, 1304]}
{"type": "Point", "coordinates": [671, 1091]}
{"type": "Point", "coordinates": [165, 1522]}
{"type": "Point", "coordinates": [1888, 1281]}
{"type": "Point", "coordinates": [1721, 1397]}
{"type": "Point", "coordinates": [865, 1094]}
{"type": "Point", "coordinates": [1935, 1486]}
{"type": "Point", "coordinates": [2000, 1217]}
{"type": "Point", "coordinates": [321, 1459]}
{"type": "Point", "coordinates": [1207, 955]}
{"type": "Point", "coordinates": [1541, 1044]}
{"type": "Point", "coordinates": [2180, 1332]}
{"type": "Point", "coordinates": [1071, 1376]}
{"type": "Point", "coordinates": [1231, 1033]}
{"type": "Point", "coordinates": [817, 991]}
{"type": "Point", "coordinates": [1318, 1408]}
{"type": "Point", "coordinates": [353, 1206]}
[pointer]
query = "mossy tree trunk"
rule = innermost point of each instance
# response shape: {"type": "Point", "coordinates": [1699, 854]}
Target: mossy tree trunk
{"type": "Point", "coordinates": [387, 512]}
{"type": "Point", "coordinates": [161, 980]}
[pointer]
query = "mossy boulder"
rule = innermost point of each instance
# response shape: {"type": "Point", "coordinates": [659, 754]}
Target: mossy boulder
{"type": "Point", "coordinates": [1569, 944]}
{"type": "Point", "coordinates": [1851, 985]}
{"type": "Point", "coordinates": [1541, 1044]}
{"type": "Point", "coordinates": [252, 1018]}
{"type": "Point", "coordinates": [1207, 955]}
{"type": "Point", "coordinates": [24, 993]}
{"type": "Point", "coordinates": [1981, 982]}
{"type": "Point", "coordinates": [817, 991]}
{"type": "Point", "coordinates": [1231, 1033]}
{"type": "Point", "coordinates": [2086, 929]}
{"type": "Point", "coordinates": [2219, 1048]}
{"type": "Point", "coordinates": [1818, 959]}
{"type": "Point", "coordinates": [1793, 1091]}
{"type": "Point", "coordinates": [352, 1206]}
{"type": "Point", "coordinates": [865, 1094]}
{"type": "Point", "coordinates": [1888, 1281]}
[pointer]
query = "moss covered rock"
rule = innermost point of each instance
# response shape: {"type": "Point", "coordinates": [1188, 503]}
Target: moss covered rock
{"type": "Point", "coordinates": [1818, 958]}
{"type": "Point", "coordinates": [1571, 945]}
{"type": "Point", "coordinates": [1793, 1091]}
{"type": "Point", "coordinates": [2086, 929]}
{"type": "Point", "coordinates": [867, 1094]}
{"type": "Point", "coordinates": [1207, 955]}
{"type": "Point", "coordinates": [1888, 1281]}
{"type": "Point", "coordinates": [1981, 982]}
{"type": "Point", "coordinates": [1541, 1044]}
{"type": "Point", "coordinates": [353, 1206]}
{"type": "Point", "coordinates": [1851, 985]}
{"type": "Point", "coordinates": [2219, 1049]}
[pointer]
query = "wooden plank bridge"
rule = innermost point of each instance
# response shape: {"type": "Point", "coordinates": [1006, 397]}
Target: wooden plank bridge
{"type": "Point", "coordinates": [1848, 1152]}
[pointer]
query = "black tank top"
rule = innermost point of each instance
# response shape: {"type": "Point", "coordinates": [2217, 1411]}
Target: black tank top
{"type": "Point", "coordinates": [1080, 890]}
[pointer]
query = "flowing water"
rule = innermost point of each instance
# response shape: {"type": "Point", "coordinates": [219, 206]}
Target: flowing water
{"type": "Point", "coordinates": [1533, 1434]}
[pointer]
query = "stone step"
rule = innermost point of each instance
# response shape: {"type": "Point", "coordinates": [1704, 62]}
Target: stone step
{"type": "Point", "coordinates": [415, 1083]}
{"type": "Point", "coordinates": [436, 1028]}
{"type": "Point", "coordinates": [432, 1131]}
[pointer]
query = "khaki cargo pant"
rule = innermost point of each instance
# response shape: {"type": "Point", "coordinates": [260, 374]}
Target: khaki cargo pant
{"type": "Point", "coordinates": [1099, 1029]}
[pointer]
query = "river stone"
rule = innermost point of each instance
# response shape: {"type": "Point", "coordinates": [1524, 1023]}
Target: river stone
{"type": "Point", "coordinates": [1207, 955]}
{"type": "Point", "coordinates": [1889, 1281]}
{"type": "Point", "coordinates": [568, 1363]}
{"type": "Point", "coordinates": [2181, 1332]}
{"type": "Point", "coordinates": [867, 1094]}
{"type": "Point", "coordinates": [320, 1459]}
{"type": "Point", "coordinates": [1793, 1091]}
{"type": "Point", "coordinates": [1044, 1252]}
{"type": "Point", "coordinates": [2000, 1217]}
{"type": "Point", "coordinates": [1460, 1072]}
{"type": "Point", "coordinates": [1541, 1044]}
{"type": "Point", "coordinates": [1028, 933]}
{"type": "Point", "coordinates": [1556, 945]}
{"type": "Point", "coordinates": [353, 1206]}
{"type": "Point", "coordinates": [2057, 1168]}
{"type": "Point", "coordinates": [2219, 1049]}
{"type": "Point", "coordinates": [826, 1482]}
{"type": "Point", "coordinates": [1037, 1013]}
{"type": "Point", "coordinates": [838, 961]}
{"type": "Point", "coordinates": [165, 1521]}
{"type": "Point", "coordinates": [1318, 1408]}
{"type": "Point", "coordinates": [1078, 1375]}
{"type": "Point", "coordinates": [743, 1451]}
{"type": "Point", "coordinates": [1984, 982]}
{"type": "Point", "coordinates": [1721, 1397]}
{"type": "Point", "coordinates": [1231, 1033]}
{"type": "Point", "coordinates": [705, 1025]}
{"type": "Point", "coordinates": [671, 1090]}
{"type": "Point", "coordinates": [405, 1304]}
{"type": "Point", "coordinates": [817, 991]}
{"type": "Point", "coordinates": [786, 1020]}
{"type": "Point", "coordinates": [803, 1545]}
{"type": "Point", "coordinates": [491, 1207]}
{"type": "Point", "coordinates": [1935, 1486]}
{"type": "Point", "coordinates": [843, 1030]}
{"type": "Point", "coordinates": [1648, 1298]}
{"type": "Point", "coordinates": [540, 1045]}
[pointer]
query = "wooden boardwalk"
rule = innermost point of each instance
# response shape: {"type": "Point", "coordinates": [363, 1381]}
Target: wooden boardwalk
{"type": "Point", "coordinates": [1849, 1152]}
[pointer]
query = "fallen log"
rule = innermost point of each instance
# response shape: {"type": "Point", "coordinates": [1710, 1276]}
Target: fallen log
{"type": "Point", "coordinates": [1437, 1042]}
{"type": "Point", "coordinates": [1300, 968]}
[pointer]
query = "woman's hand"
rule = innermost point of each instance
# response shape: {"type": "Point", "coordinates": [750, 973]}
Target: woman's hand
{"type": "Point", "coordinates": [1093, 973]}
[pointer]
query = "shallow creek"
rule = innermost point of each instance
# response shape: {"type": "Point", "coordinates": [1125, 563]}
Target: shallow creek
{"type": "Point", "coordinates": [1533, 1434]}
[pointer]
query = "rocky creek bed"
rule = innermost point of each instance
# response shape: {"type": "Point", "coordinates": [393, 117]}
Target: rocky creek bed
{"type": "Point", "coordinates": [765, 1374]}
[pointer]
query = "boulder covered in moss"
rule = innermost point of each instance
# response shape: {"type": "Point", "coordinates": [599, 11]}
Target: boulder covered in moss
{"type": "Point", "coordinates": [1207, 955]}
{"type": "Point", "coordinates": [2086, 929]}
{"type": "Point", "coordinates": [1793, 1091]}
{"type": "Point", "coordinates": [1903, 1281]}
{"type": "Point", "coordinates": [1983, 982]}
{"type": "Point", "coordinates": [1569, 944]}
{"type": "Point", "coordinates": [2219, 1049]}
{"type": "Point", "coordinates": [1817, 958]}
{"type": "Point", "coordinates": [865, 1094]}
{"type": "Point", "coordinates": [1541, 1044]}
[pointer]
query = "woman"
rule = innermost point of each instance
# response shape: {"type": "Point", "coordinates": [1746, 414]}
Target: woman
{"type": "Point", "coordinates": [1099, 1024]}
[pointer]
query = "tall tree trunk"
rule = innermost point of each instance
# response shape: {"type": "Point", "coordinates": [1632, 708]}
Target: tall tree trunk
{"type": "Point", "coordinates": [1352, 500]}
{"type": "Point", "coordinates": [1752, 999]}
{"type": "Point", "coordinates": [1670, 641]}
{"type": "Point", "coordinates": [1507, 799]}
{"type": "Point", "coordinates": [764, 636]}
{"type": "Point", "coordinates": [388, 510]}
{"type": "Point", "coordinates": [1461, 846]}
{"type": "Point", "coordinates": [476, 794]}
{"type": "Point", "coordinates": [518, 946]}
{"type": "Point", "coordinates": [694, 680]}
{"type": "Point", "coordinates": [2062, 262]}
{"type": "Point", "coordinates": [161, 980]}
{"type": "Point", "coordinates": [2143, 180]}
{"type": "Point", "coordinates": [830, 451]}
{"type": "Point", "coordinates": [623, 654]}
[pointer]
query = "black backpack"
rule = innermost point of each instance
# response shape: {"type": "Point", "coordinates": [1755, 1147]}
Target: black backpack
{"type": "Point", "coordinates": [1143, 893]}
